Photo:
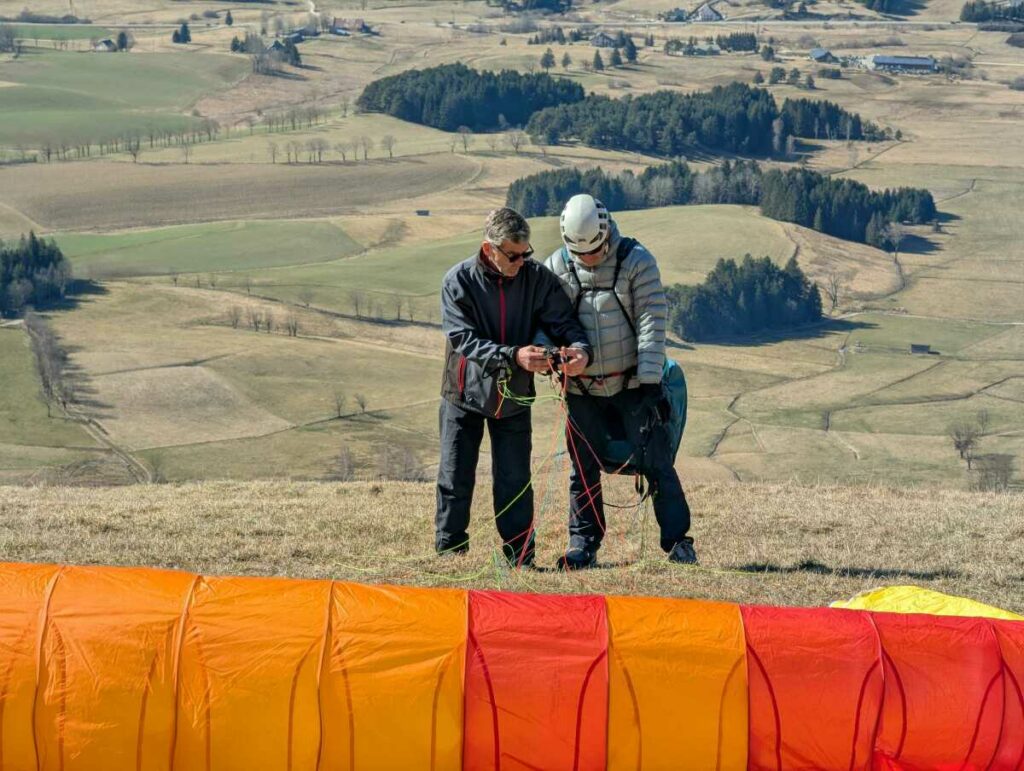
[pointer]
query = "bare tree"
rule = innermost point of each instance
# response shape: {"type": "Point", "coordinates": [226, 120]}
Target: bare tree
{"type": "Point", "coordinates": [339, 403]}
{"type": "Point", "coordinates": [320, 146]}
{"type": "Point", "coordinates": [362, 402]}
{"type": "Point", "coordinates": [306, 296]}
{"type": "Point", "coordinates": [344, 105]}
{"type": "Point", "coordinates": [356, 298]}
{"type": "Point", "coordinates": [453, 142]}
{"type": "Point", "coordinates": [366, 143]}
{"type": "Point", "coordinates": [388, 143]}
{"type": "Point", "coordinates": [493, 140]}
{"type": "Point", "coordinates": [343, 467]}
{"type": "Point", "coordinates": [833, 288]}
{"type": "Point", "coordinates": [466, 135]}
{"type": "Point", "coordinates": [234, 316]}
{"type": "Point", "coordinates": [895, 233]}
{"type": "Point", "coordinates": [964, 434]}
{"type": "Point", "coordinates": [173, 274]}
{"type": "Point", "coordinates": [268, 321]}
{"type": "Point", "coordinates": [291, 325]}
{"type": "Point", "coordinates": [247, 283]}
{"type": "Point", "coordinates": [255, 318]}
{"type": "Point", "coordinates": [984, 421]}
{"type": "Point", "coordinates": [397, 302]}
{"type": "Point", "coordinates": [399, 464]}
{"type": "Point", "coordinates": [186, 151]}
{"type": "Point", "coordinates": [995, 472]}
{"type": "Point", "coordinates": [516, 139]}
{"type": "Point", "coordinates": [272, 151]}
{"type": "Point", "coordinates": [133, 146]}
{"type": "Point", "coordinates": [341, 148]}
{"type": "Point", "coordinates": [211, 279]}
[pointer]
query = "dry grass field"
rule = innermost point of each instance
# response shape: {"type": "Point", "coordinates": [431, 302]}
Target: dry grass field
{"type": "Point", "coordinates": [773, 544]}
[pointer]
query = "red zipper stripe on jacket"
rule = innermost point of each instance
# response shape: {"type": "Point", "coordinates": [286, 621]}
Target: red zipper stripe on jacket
{"type": "Point", "coordinates": [462, 376]}
{"type": "Point", "coordinates": [501, 307]}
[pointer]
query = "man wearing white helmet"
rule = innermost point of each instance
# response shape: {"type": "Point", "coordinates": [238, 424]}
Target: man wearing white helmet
{"type": "Point", "coordinates": [615, 287]}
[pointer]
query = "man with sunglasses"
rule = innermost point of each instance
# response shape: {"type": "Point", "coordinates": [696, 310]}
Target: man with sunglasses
{"type": "Point", "coordinates": [493, 305]}
{"type": "Point", "coordinates": [616, 291]}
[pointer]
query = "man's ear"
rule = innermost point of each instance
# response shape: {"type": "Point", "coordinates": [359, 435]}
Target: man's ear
{"type": "Point", "coordinates": [487, 249]}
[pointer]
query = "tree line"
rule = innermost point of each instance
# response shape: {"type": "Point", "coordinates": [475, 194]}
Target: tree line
{"type": "Point", "coordinates": [839, 207]}
{"type": "Point", "coordinates": [732, 118]}
{"type": "Point", "coordinates": [743, 299]}
{"type": "Point", "coordinates": [737, 41]}
{"type": "Point", "coordinates": [454, 95]}
{"type": "Point", "coordinates": [33, 272]}
{"type": "Point", "coordinates": [980, 10]}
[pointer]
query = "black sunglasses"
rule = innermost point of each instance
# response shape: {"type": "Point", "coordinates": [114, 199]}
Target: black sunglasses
{"type": "Point", "coordinates": [595, 250]}
{"type": "Point", "coordinates": [515, 257]}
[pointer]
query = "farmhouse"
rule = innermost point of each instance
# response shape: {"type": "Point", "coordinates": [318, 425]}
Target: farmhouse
{"type": "Point", "coordinates": [602, 40]}
{"type": "Point", "coordinates": [105, 46]}
{"type": "Point", "coordinates": [706, 12]}
{"type": "Point", "coordinates": [882, 63]}
{"type": "Point", "coordinates": [348, 26]}
{"type": "Point", "coordinates": [822, 56]}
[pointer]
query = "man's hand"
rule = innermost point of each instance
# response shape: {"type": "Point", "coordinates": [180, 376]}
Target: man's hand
{"type": "Point", "coordinates": [532, 358]}
{"type": "Point", "coordinates": [574, 361]}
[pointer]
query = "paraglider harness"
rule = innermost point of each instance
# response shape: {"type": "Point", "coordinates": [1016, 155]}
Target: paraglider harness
{"type": "Point", "coordinates": [617, 455]}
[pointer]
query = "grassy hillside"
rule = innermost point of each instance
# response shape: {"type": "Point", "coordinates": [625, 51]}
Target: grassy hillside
{"type": "Point", "coordinates": [777, 544]}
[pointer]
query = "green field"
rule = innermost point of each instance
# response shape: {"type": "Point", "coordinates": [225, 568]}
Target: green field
{"type": "Point", "coordinates": [86, 96]}
{"type": "Point", "coordinates": [61, 32]}
{"type": "Point", "coordinates": [219, 246]}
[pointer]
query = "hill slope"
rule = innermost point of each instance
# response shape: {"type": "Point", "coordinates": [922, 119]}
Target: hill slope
{"type": "Point", "coordinates": [772, 544]}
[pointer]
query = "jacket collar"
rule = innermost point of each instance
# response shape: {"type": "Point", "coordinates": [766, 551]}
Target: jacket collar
{"type": "Point", "coordinates": [488, 269]}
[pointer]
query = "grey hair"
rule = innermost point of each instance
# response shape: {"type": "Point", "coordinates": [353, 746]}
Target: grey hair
{"type": "Point", "coordinates": [506, 224]}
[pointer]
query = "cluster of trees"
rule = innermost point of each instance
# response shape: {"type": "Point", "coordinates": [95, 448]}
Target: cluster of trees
{"type": "Point", "coordinates": [51, 360]}
{"type": "Point", "coordinates": [734, 118]}
{"type": "Point", "coordinates": [980, 10]}
{"type": "Point", "coordinates": [831, 73]}
{"type": "Point", "coordinates": [549, 6]}
{"type": "Point", "coordinates": [33, 272]}
{"type": "Point", "coordinates": [737, 41]}
{"type": "Point", "coordinates": [745, 299]}
{"type": "Point", "coordinates": [454, 95]}
{"type": "Point", "coordinates": [315, 150]}
{"type": "Point", "coordinates": [8, 40]}
{"type": "Point", "coordinates": [182, 35]}
{"type": "Point", "coordinates": [557, 35]}
{"type": "Point", "coordinates": [842, 207]}
{"type": "Point", "coordinates": [31, 17]}
{"type": "Point", "coordinates": [839, 207]}
{"type": "Point", "coordinates": [883, 6]}
{"type": "Point", "coordinates": [991, 471]}
{"type": "Point", "coordinates": [266, 58]}
{"type": "Point", "coordinates": [670, 184]}
{"type": "Point", "coordinates": [54, 149]}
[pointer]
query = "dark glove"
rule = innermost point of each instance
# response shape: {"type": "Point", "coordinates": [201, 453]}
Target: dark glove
{"type": "Point", "coordinates": [653, 398]}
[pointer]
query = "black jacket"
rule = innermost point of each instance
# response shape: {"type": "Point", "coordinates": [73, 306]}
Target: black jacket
{"type": "Point", "coordinates": [486, 317]}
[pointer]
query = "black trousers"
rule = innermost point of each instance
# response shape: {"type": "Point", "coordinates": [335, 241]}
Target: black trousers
{"type": "Point", "coordinates": [620, 416]}
{"type": "Point", "coordinates": [511, 444]}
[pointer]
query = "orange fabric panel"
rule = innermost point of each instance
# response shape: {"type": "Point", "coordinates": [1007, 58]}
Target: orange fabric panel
{"type": "Point", "coordinates": [1010, 754]}
{"type": "Point", "coordinates": [944, 695]}
{"type": "Point", "coordinates": [22, 599]}
{"type": "Point", "coordinates": [536, 682]}
{"type": "Point", "coordinates": [392, 681]}
{"type": "Point", "coordinates": [815, 685]}
{"type": "Point", "coordinates": [106, 695]}
{"type": "Point", "coordinates": [677, 685]}
{"type": "Point", "coordinates": [249, 662]}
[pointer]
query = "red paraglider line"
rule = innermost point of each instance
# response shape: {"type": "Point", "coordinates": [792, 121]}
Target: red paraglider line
{"type": "Point", "coordinates": [490, 692]}
{"type": "Point", "coordinates": [903, 703]}
{"type": "Point", "coordinates": [856, 717]}
{"type": "Point", "coordinates": [775, 706]}
{"type": "Point", "coordinates": [981, 713]}
{"type": "Point", "coordinates": [636, 712]}
{"type": "Point", "coordinates": [579, 709]}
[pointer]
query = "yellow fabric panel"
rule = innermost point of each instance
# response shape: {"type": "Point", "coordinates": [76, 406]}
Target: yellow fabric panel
{"type": "Point", "coordinates": [678, 685]}
{"type": "Point", "coordinates": [21, 609]}
{"type": "Point", "coordinates": [914, 599]}
{"type": "Point", "coordinates": [249, 662]}
{"type": "Point", "coordinates": [106, 690]}
{"type": "Point", "coordinates": [393, 680]}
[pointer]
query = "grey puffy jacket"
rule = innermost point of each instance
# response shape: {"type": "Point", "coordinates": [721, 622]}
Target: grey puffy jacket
{"type": "Point", "coordinates": [615, 348]}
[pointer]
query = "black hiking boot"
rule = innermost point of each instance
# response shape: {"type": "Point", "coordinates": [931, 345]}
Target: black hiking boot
{"type": "Point", "coordinates": [682, 553]}
{"type": "Point", "coordinates": [519, 560]}
{"type": "Point", "coordinates": [577, 559]}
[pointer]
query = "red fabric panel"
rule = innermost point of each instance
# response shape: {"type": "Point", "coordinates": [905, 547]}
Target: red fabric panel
{"type": "Point", "coordinates": [1010, 755]}
{"type": "Point", "coordinates": [815, 688]}
{"type": "Point", "coordinates": [536, 682]}
{"type": "Point", "coordinates": [944, 693]}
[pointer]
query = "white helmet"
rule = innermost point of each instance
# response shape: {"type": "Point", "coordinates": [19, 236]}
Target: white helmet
{"type": "Point", "coordinates": [585, 223]}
